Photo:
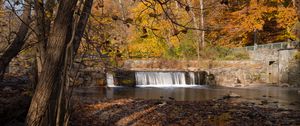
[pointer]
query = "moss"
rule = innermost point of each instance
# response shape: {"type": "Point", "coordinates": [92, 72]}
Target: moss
{"type": "Point", "coordinates": [127, 82]}
{"type": "Point", "coordinates": [297, 55]}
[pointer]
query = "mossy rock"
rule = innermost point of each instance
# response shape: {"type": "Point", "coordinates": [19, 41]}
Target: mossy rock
{"type": "Point", "coordinates": [125, 78]}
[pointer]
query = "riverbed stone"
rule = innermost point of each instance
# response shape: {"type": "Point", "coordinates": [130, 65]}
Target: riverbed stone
{"type": "Point", "coordinates": [7, 89]}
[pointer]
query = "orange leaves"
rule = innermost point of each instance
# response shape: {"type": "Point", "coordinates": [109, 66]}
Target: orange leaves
{"type": "Point", "coordinates": [286, 17]}
{"type": "Point", "coordinates": [270, 18]}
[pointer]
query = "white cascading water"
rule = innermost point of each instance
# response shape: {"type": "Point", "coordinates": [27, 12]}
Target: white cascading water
{"type": "Point", "coordinates": [192, 78]}
{"type": "Point", "coordinates": [110, 80]}
{"type": "Point", "coordinates": [164, 78]}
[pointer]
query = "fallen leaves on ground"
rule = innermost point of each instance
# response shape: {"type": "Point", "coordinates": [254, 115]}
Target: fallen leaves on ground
{"type": "Point", "coordinates": [138, 112]}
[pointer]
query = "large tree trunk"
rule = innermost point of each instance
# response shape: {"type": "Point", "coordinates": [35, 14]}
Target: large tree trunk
{"type": "Point", "coordinates": [50, 103]}
{"type": "Point", "coordinates": [44, 14]}
{"type": "Point", "coordinates": [17, 44]}
{"type": "Point", "coordinates": [44, 108]}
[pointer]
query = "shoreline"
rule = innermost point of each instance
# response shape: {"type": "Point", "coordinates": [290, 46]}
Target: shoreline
{"type": "Point", "coordinates": [129, 111]}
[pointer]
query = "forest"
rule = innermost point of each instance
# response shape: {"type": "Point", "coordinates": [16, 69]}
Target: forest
{"type": "Point", "coordinates": [154, 62]}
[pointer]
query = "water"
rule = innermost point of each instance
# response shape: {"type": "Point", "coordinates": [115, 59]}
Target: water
{"type": "Point", "coordinates": [110, 80]}
{"type": "Point", "coordinates": [284, 96]}
{"type": "Point", "coordinates": [166, 78]}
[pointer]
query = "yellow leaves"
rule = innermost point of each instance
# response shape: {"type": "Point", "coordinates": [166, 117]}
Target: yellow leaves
{"type": "Point", "coordinates": [174, 41]}
{"type": "Point", "coordinates": [270, 18]}
{"type": "Point", "coordinates": [150, 47]}
{"type": "Point", "coordinates": [286, 17]}
{"type": "Point", "coordinates": [48, 14]}
{"type": "Point", "coordinates": [1, 13]}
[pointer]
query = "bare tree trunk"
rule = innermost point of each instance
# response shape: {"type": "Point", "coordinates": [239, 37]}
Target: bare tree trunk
{"type": "Point", "coordinates": [195, 21]}
{"type": "Point", "coordinates": [82, 23]}
{"type": "Point", "coordinates": [202, 33]}
{"type": "Point", "coordinates": [43, 109]}
{"type": "Point", "coordinates": [121, 4]}
{"type": "Point", "coordinates": [44, 14]}
{"type": "Point", "coordinates": [17, 44]}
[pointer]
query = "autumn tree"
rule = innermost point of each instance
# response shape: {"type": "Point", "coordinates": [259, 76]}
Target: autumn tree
{"type": "Point", "coordinates": [18, 42]}
{"type": "Point", "coordinates": [247, 21]}
{"type": "Point", "coordinates": [50, 102]}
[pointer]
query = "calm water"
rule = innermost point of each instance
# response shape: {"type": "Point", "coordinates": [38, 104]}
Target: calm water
{"type": "Point", "coordinates": [287, 97]}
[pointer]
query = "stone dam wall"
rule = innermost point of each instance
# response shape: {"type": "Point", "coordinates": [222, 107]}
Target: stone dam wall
{"type": "Point", "coordinates": [265, 66]}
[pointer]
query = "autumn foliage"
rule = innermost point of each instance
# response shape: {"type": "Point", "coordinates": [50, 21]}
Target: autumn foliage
{"type": "Point", "coordinates": [149, 29]}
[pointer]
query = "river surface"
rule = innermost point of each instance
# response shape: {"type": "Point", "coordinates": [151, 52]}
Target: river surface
{"type": "Point", "coordinates": [275, 96]}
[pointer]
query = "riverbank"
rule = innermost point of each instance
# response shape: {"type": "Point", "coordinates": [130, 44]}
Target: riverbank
{"type": "Point", "coordinates": [95, 111]}
{"type": "Point", "coordinates": [15, 97]}
{"type": "Point", "coordinates": [170, 112]}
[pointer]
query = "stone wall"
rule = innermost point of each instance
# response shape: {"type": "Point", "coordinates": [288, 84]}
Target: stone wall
{"type": "Point", "coordinates": [87, 75]}
{"type": "Point", "coordinates": [283, 68]}
{"type": "Point", "coordinates": [289, 67]}
{"type": "Point", "coordinates": [226, 73]}
{"type": "Point", "coordinates": [265, 66]}
{"type": "Point", "coordinates": [241, 75]}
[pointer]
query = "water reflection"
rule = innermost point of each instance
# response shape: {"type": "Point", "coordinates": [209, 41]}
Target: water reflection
{"type": "Point", "coordinates": [285, 96]}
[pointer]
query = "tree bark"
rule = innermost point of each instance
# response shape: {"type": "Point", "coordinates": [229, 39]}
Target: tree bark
{"type": "Point", "coordinates": [44, 14]}
{"type": "Point", "coordinates": [196, 25]}
{"type": "Point", "coordinates": [17, 44]}
{"type": "Point", "coordinates": [203, 44]}
{"type": "Point", "coordinates": [82, 23]}
{"type": "Point", "coordinates": [50, 102]}
{"type": "Point", "coordinates": [44, 105]}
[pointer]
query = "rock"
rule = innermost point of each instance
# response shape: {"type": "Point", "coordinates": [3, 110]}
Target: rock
{"type": "Point", "coordinates": [238, 85]}
{"type": "Point", "coordinates": [284, 85]}
{"type": "Point", "coordinates": [268, 123]}
{"type": "Point", "coordinates": [237, 81]}
{"type": "Point", "coordinates": [231, 95]}
{"type": "Point", "coordinates": [234, 95]}
{"type": "Point", "coordinates": [292, 103]}
{"type": "Point", "coordinates": [264, 102]}
{"type": "Point", "coordinates": [157, 102]}
{"type": "Point", "coordinates": [298, 92]}
{"type": "Point", "coordinates": [171, 98]}
{"type": "Point", "coordinates": [162, 104]}
{"type": "Point", "coordinates": [7, 89]}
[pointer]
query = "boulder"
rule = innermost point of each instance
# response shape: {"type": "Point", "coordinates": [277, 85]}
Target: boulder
{"type": "Point", "coordinates": [284, 85]}
{"type": "Point", "coordinates": [232, 95]}
{"type": "Point", "coordinates": [7, 89]}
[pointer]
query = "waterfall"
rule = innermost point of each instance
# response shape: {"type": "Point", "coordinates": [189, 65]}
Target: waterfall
{"type": "Point", "coordinates": [110, 80]}
{"type": "Point", "coordinates": [192, 78]}
{"type": "Point", "coordinates": [166, 78]}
